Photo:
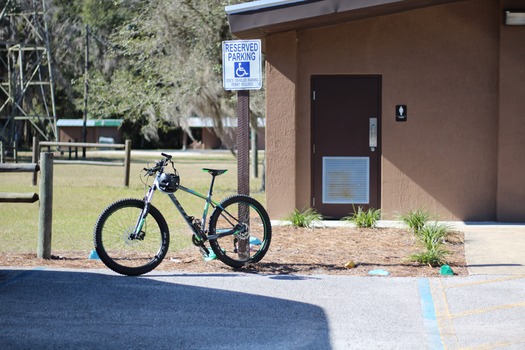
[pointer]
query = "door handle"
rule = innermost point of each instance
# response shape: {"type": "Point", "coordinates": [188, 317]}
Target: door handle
{"type": "Point", "coordinates": [372, 138]}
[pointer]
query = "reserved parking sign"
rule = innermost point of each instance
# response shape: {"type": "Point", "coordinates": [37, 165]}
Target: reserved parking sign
{"type": "Point", "coordinates": [241, 65]}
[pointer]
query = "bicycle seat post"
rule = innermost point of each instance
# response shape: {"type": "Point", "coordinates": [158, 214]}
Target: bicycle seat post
{"type": "Point", "coordinates": [210, 192]}
{"type": "Point", "coordinates": [213, 173]}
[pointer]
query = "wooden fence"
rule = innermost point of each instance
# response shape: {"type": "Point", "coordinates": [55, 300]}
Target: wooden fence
{"type": "Point", "coordinates": [45, 214]}
{"type": "Point", "coordinates": [73, 147]}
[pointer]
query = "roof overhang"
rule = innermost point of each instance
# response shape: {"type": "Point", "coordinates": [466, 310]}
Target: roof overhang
{"type": "Point", "coordinates": [90, 123]}
{"type": "Point", "coordinates": [258, 19]}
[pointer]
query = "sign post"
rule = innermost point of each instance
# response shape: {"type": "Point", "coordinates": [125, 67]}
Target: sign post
{"type": "Point", "coordinates": [242, 71]}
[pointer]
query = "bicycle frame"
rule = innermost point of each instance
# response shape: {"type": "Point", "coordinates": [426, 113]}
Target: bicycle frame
{"type": "Point", "coordinates": [199, 231]}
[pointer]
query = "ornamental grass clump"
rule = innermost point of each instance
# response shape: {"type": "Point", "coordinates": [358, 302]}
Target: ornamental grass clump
{"type": "Point", "coordinates": [364, 218]}
{"type": "Point", "coordinates": [415, 219]}
{"type": "Point", "coordinates": [432, 236]}
{"type": "Point", "coordinates": [306, 218]}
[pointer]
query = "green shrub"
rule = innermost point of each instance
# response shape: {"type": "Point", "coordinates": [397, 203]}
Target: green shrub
{"type": "Point", "coordinates": [362, 218]}
{"type": "Point", "coordinates": [432, 236]}
{"type": "Point", "coordinates": [415, 219]}
{"type": "Point", "coordinates": [433, 257]}
{"type": "Point", "coordinates": [305, 218]}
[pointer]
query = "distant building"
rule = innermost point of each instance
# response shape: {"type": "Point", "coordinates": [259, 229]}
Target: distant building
{"type": "Point", "coordinates": [99, 130]}
{"type": "Point", "coordinates": [210, 140]}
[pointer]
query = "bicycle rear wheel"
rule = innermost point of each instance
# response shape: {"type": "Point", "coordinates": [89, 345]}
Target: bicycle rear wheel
{"type": "Point", "coordinates": [120, 248]}
{"type": "Point", "coordinates": [247, 231]}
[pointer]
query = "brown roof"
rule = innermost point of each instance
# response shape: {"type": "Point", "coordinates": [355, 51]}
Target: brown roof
{"type": "Point", "coordinates": [258, 19]}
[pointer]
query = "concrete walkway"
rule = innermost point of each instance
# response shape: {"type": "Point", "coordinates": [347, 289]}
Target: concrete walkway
{"type": "Point", "coordinates": [491, 248]}
{"type": "Point", "coordinates": [494, 248]}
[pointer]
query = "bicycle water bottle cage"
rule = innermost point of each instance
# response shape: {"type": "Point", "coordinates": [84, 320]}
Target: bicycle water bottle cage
{"type": "Point", "coordinates": [168, 183]}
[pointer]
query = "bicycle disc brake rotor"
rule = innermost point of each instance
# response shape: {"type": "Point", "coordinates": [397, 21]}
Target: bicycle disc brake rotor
{"type": "Point", "coordinates": [243, 231]}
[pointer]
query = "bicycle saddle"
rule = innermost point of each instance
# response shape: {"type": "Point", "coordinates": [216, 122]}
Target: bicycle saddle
{"type": "Point", "coordinates": [215, 172]}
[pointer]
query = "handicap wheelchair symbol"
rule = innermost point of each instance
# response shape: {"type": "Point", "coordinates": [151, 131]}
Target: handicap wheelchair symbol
{"type": "Point", "coordinates": [242, 70]}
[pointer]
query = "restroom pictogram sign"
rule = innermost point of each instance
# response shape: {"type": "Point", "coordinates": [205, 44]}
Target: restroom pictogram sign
{"type": "Point", "coordinates": [401, 113]}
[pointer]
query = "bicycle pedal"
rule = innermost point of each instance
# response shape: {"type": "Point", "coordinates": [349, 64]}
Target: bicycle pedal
{"type": "Point", "coordinates": [204, 251]}
{"type": "Point", "coordinates": [211, 256]}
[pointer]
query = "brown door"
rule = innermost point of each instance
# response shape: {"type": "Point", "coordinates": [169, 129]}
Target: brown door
{"type": "Point", "coordinates": [346, 143]}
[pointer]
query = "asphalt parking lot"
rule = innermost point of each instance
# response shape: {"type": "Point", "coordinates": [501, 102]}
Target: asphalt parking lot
{"type": "Point", "coordinates": [93, 309]}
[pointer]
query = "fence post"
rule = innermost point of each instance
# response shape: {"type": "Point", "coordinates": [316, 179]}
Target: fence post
{"type": "Point", "coordinates": [34, 159]}
{"type": "Point", "coordinates": [127, 159]}
{"type": "Point", "coordinates": [46, 206]}
{"type": "Point", "coordinates": [15, 152]}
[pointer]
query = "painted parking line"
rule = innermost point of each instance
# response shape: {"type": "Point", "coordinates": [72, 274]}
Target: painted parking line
{"type": "Point", "coordinates": [475, 315]}
{"type": "Point", "coordinates": [429, 314]}
{"type": "Point", "coordinates": [19, 275]}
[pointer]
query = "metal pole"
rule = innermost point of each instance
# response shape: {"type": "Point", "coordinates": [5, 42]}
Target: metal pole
{"type": "Point", "coordinates": [45, 217]}
{"type": "Point", "coordinates": [51, 80]}
{"type": "Point", "coordinates": [86, 88]}
{"type": "Point", "coordinates": [127, 160]}
{"type": "Point", "coordinates": [255, 155]}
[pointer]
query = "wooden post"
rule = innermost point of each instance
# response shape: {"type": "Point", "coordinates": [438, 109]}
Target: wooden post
{"type": "Point", "coordinates": [243, 142]}
{"type": "Point", "coordinates": [34, 159]}
{"type": "Point", "coordinates": [243, 161]}
{"type": "Point", "coordinates": [127, 160]}
{"type": "Point", "coordinates": [255, 155]}
{"type": "Point", "coordinates": [15, 152]}
{"type": "Point", "coordinates": [1, 152]}
{"type": "Point", "coordinates": [45, 217]}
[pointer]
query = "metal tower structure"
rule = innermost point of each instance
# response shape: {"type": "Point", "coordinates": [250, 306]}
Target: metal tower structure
{"type": "Point", "coordinates": [27, 101]}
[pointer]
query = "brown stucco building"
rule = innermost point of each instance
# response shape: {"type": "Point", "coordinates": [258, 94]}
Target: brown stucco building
{"type": "Point", "coordinates": [98, 130]}
{"type": "Point", "coordinates": [396, 105]}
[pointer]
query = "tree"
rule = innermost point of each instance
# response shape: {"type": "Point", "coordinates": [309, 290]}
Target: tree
{"type": "Point", "coordinates": [169, 67]}
{"type": "Point", "coordinates": [153, 62]}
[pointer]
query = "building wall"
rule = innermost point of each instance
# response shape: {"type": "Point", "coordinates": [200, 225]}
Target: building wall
{"type": "Point", "coordinates": [511, 146]}
{"type": "Point", "coordinates": [74, 134]}
{"type": "Point", "coordinates": [281, 162]}
{"type": "Point", "coordinates": [443, 63]}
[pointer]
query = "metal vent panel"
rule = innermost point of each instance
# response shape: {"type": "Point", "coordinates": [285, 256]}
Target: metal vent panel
{"type": "Point", "coordinates": [346, 180]}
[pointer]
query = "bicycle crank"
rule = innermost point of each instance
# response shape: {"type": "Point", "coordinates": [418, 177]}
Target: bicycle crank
{"type": "Point", "coordinates": [200, 244]}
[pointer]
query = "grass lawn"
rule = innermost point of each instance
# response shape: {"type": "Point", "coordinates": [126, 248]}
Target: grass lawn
{"type": "Point", "coordinates": [81, 192]}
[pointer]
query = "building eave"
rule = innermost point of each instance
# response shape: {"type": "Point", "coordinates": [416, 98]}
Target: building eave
{"type": "Point", "coordinates": [258, 19]}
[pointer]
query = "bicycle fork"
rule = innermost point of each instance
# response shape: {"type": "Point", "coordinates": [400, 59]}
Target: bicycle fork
{"type": "Point", "coordinates": [138, 233]}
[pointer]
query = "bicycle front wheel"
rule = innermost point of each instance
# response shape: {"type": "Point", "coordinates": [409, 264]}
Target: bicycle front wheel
{"type": "Point", "coordinates": [121, 248]}
{"type": "Point", "coordinates": [243, 231]}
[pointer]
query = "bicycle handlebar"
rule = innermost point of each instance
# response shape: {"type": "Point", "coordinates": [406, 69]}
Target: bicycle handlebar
{"type": "Point", "coordinates": [159, 166]}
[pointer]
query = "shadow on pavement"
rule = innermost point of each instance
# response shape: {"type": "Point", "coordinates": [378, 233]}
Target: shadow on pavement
{"type": "Point", "coordinates": [41, 309]}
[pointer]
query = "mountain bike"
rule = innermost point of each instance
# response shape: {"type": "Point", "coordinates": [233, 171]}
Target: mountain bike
{"type": "Point", "coordinates": [131, 236]}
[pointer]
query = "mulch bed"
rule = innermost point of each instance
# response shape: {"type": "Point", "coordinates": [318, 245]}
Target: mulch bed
{"type": "Point", "coordinates": [297, 251]}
